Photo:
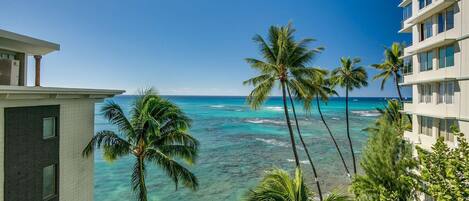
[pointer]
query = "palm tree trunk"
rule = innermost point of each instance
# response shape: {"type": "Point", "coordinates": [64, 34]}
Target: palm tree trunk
{"type": "Point", "coordinates": [142, 194]}
{"type": "Point", "coordinates": [332, 136]}
{"type": "Point", "coordinates": [304, 145]}
{"type": "Point", "coordinates": [292, 137]}
{"type": "Point", "coordinates": [400, 94]}
{"type": "Point", "coordinates": [348, 132]}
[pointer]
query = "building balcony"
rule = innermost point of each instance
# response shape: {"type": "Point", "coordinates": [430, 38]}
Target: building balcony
{"type": "Point", "coordinates": [406, 26]}
{"type": "Point", "coordinates": [404, 3]}
{"type": "Point", "coordinates": [408, 107]}
{"type": "Point", "coordinates": [430, 10]}
{"type": "Point", "coordinates": [441, 39]}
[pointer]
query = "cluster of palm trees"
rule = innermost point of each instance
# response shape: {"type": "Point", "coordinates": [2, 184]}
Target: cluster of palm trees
{"type": "Point", "coordinates": [285, 64]}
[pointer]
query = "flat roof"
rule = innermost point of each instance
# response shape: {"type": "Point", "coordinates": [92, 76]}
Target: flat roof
{"type": "Point", "coordinates": [25, 92]}
{"type": "Point", "coordinates": [21, 43]}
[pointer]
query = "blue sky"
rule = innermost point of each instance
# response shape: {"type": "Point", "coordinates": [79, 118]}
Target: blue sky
{"type": "Point", "coordinates": [193, 47]}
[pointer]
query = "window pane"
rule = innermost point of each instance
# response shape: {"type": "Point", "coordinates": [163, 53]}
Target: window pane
{"type": "Point", "coordinates": [441, 93]}
{"type": "Point", "coordinates": [450, 56]}
{"type": "Point", "coordinates": [442, 58]}
{"type": "Point", "coordinates": [441, 23]}
{"type": "Point", "coordinates": [428, 28]}
{"type": "Point", "coordinates": [49, 181]}
{"type": "Point", "coordinates": [430, 60]}
{"type": "Point", "coordinates": [449, 92]}
{"type": "Point", "coordinates": [48, 127]}
{"type": "Point", "coordinates": [421, 4]}
{"type": "Point", "coordinates": [449, 19]}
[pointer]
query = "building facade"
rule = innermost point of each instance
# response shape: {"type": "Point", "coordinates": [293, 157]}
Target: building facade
{"type": "Point", "coordinates": [436, 67]}
{"type": "Point", "coordinates": [43, 130]}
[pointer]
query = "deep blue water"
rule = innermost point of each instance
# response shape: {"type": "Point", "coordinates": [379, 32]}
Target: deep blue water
{"type": "Point", "coordinates": [239, 144]}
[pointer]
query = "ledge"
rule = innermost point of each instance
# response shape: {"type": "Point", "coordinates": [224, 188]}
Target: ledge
{"type": "Point", "coordinates": [24, 92]}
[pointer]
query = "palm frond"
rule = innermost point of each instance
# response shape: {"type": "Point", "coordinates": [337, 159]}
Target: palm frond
{"type": "Point", "coordinates": [173, 169]}
{"type": "Point", "coordinates": [113, 145]}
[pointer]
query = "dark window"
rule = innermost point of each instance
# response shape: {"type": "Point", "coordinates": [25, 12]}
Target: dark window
{"type": "Point", "coordinates": [424, 3]}
{"type": "Point", "coordinates": [446, 20]}
{"type": "Point", "coordinates": [407, 12]}
{"type": "Point", "coordinates": [407, 67]}
{"type": "Point", "coordinates": [446, 56]}
{"type": "Point", "coordinates": [450, 18]}
{"type": "Point", "coordinates": [49, 182]}
{"type": "Point", "coordinates": [426, 61]}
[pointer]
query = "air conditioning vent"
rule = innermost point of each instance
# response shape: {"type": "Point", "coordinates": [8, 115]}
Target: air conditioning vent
{"type": "Point", "coordinates": [9, 72]}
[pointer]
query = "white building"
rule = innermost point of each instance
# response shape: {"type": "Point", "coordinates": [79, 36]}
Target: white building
{"type": "Point", "coordinates": [43, 130]}
{"type": "Point", "coordinates": [436, 68]}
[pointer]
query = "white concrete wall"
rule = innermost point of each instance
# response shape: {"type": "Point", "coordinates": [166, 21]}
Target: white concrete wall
{"type": "Point", "coordinates": [76, 129]}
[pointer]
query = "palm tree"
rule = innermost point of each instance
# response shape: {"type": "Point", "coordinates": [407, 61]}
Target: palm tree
{"type": "Point", "coordinates": [156, 132]}
{"type": "Point", "coordinates": [304, 145]}
{"type": "Point", "coordinates": [284, 61]}
{"type": "Point", "coordinates": [322, 89]}
{"type": "Point", "coordinates": [391, 67]}
{"type": "Point", "coordinates": [277, 185]}
{"type": "Point", "coordinates": [350, 76]}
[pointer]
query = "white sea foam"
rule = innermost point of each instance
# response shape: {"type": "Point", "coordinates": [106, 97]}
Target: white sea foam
{"type": "Point", "coordinates": [265, 121]}
{"type": "Point", "coordinates": [273, 142]}
{"type": "Point", "coordinates": [303, 162]}
{"type": "Point", "coordinates": [274, 108]}
{"type": "Point", "coordinates": [335, 118]}
{"type": "Point", "coordinates": [217, 106]}
{"type": "Point", "coordinates": [367, 113]}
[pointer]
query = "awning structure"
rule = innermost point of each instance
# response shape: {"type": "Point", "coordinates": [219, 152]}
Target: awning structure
{"type": "Point", "coordinates": [25, 44]}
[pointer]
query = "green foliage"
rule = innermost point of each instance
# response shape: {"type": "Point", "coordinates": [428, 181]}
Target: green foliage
{"type": "Point", "coordinates": [392, 64]}
{"type": "Point", "coordinates": [285, 60]}
{"type": "Point", "coordinates": [386, 161]}
{"type": "Point", "coordinates": [349, 75]}
{"type": "Point", "coordinates": [391, 114]}
{"type": "Point", "coordinates": [444, 171]}
{"type": "Point", "coordinates": [156, 132]}
{"type": "Point", "coordinates": [277, 185]}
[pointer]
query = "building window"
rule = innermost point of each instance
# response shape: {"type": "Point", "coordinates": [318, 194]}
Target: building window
{"type": "Point", "coordinates": [407, 12]}
{"type": "Point", "coordinates": [407, 66]}
{"type": "Point", "coordinates": [445, 130]}
{"type": "Point", "coordinates": [446, 56]}
{"type": "Point", "coordinates": [426, 126]}
{"type": "Point", "coordinates": [424, 3]}
{"type": "Point", "coordinates": [446, 93]}
{"type": "Point", "coordinates": [446, 20]}
{"type": "Point", "coordinates": [425, 93]}
{"type": "Point", "coordinates": [49, 182]}
{"type": "Point", "coordinates": [426, 61]}
{"type": "Point", "coordinates": [48, 127]}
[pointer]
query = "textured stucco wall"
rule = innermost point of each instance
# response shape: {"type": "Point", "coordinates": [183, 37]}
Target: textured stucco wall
{"type": "Point", "coordinates": [76, 129]}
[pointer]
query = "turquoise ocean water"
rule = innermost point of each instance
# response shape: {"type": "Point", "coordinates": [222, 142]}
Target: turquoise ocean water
{"type": "Point", "coordinates": [238, 144]}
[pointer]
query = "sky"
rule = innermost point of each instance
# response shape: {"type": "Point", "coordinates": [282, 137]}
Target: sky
{"type": "Point", "coordinates": [194, 47]}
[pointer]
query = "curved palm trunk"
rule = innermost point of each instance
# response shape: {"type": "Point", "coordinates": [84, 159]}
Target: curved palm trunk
{"type": "Point", "coordinates": [400, 94]}
{"type": "Point", "coordinates": [292, 137]}
{"type": "Point", "coordinates": [304, 145]}
{"type": "Point", "coordinates": [348, 132]}
{"type": "Point", "coordinates": [140, 173]}
{"type": "Point", "coordinates": [332, 137]}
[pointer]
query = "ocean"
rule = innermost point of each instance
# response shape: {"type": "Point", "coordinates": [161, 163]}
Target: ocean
{"type": "Point", "coordinates": [238, 144]}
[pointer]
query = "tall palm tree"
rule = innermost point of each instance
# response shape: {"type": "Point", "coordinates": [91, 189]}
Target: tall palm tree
{"type": "Point", "coordinates": [321, 90]}
{"type": "Point", "coordinates": [156, 132]}
{"type": "Point", "coordinates": [284, 60]}
{"type": "Point", "coordinates": [304, 145]}
{"type": "Point", "coordinates": [277, 185]}
{"type": "Point", "coordinates": [391, 67]}
{"type": "Point", "coordinates": [350, 76]}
